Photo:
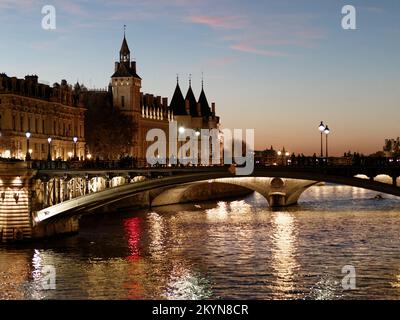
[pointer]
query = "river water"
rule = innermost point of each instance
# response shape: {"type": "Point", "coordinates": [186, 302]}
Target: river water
{"type": "Point", "coordinates": [235, 249]}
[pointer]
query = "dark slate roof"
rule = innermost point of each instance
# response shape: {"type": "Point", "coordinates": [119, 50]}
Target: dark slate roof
{"type": "Point", "coordinates": [125, 71]}
{"type": "Point", "coordinates": [178, 102]}
{"type": "Point", "coordinates": [205, 107]}
{"type": "Point", "coordinates": [124, 48]}
{"type": "Point", "coordinates": [192, 102]}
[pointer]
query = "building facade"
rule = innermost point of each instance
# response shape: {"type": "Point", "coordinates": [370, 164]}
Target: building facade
{"type": "Point", "coordinates": [149, 111]}
{"type": "Point", "coordinates": [27, 106]}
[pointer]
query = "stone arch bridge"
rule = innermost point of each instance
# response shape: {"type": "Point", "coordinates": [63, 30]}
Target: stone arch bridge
{"type": "Point", "coordinates": [36, 203]}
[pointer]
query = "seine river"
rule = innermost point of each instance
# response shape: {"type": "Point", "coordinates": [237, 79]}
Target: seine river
{"type": "Point", "coordinates": [235, 249]}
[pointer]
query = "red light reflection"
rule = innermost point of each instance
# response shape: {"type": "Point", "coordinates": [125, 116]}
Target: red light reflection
{"type": "Point", "coordinates": [132, 231]}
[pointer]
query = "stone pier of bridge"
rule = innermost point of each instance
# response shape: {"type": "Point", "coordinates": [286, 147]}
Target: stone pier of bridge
{"type": "Point", "coordinates": [21, 195]}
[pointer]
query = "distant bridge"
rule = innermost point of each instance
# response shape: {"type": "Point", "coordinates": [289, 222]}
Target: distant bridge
{"type": "Point", "coordinates": [38, 201]}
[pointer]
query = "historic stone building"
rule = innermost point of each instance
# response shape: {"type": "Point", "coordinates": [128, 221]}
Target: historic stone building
{"type": "Point", "coordinates": [27, 106]}
{"type": "Point", "coordinates": [149, 111]}
{"type": "Point", "coordinates": [38, 111]}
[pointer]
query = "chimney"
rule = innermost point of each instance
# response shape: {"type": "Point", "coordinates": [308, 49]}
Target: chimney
{"type": "Point", "coordinates": [187, 106]}
{"type": "Point", "coordinates": [199, 110]}
{"type": "Point", "coordinates": [158, 101]}
{"type": "Point", "coordinates": [34, 78]}
{"type": "Point", "coordinates": [165, 102]}
{"type": "Point", "coordinates": [213, 109]}
{"type": "Point", "coordinates": [133, 66]}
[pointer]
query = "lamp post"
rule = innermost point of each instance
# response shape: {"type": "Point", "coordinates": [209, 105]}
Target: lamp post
{"type": "Point", "coordinates": [49, 150]}
{"type": "Point", "coordinates": [75, 141]}
{"type": "Point", "coordinates": [327, 131]}
{"type": "Point", "coordinates": [181, 131]}
{"type": "Point", "coordinates": [28, 155]}
{"type": "Point", "coordinates": [321, 128]}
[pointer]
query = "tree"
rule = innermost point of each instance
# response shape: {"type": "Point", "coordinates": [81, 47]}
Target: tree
{"type": "Point", "coordinates": [109, 133]}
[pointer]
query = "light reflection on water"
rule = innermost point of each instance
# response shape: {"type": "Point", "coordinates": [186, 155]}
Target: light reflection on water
{"type": "Point", "coordinates": [223, 250]}
{"type": "Point", "coordinates": [284, 250]}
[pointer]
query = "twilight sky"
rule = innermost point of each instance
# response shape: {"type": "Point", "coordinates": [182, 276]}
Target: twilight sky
{"type": "Point", "coordinates": [278, 66]}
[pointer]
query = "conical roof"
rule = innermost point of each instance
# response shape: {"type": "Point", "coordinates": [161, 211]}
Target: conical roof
{"type": "Point", "coordinates": [205, 107]}
{"type": "Point", "coordinates": [178, 102]}
{"type": "Point", "coordinates": [192, 102]}
{"type": "Point", "coordinates": [124, 48]}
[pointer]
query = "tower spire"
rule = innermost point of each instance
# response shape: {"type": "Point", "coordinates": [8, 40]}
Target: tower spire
{"type": "Point", "coordinates": [177, 78]}
{"type": "Point", "coordinates": [190, 79]}
{"type": "Point", "coordinates": [202, 80]}
{"type": "Point", "coordinates": [125, 53]}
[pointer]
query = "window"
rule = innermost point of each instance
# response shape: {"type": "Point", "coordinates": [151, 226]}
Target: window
{"type": "Point", "coordinates": [36, 125]}
{"type": "Point", "coordinates": [54, 127]}
{"type": "Point", "coordinates": [122, 102]}
{"type": "Point", "coordinates": [43, 127]}
{"type": "Point", "coordinates": [29, 124]}
{"type": "Point", "coordinates": [0, 122]}
{"type": "Point", "coordinates": [14, 122]}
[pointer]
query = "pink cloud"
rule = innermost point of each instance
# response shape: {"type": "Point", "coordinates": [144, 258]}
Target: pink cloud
{"type": "Point", "coordinates": [226, 22]}
{"type": "Point", "coordinates": [221, 62]}
{"type": "Point", "coordinates": [243, 47]}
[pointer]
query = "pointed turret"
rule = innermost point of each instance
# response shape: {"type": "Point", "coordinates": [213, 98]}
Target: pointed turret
{"type": "Point", "coordinates": [124, 53]}
{"type": "Point", "coordinates": [192, 100]}
{"type": "Point", "coordinates": [178, 102]}
{"type": "Point", "coordinates": [205, 107]}
{"type": "Point", "coordinates": [125, 68]}
{"type": "Point", "coordinates": [124, 49]}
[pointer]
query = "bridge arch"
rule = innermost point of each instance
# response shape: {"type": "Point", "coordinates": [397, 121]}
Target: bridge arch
{"type": "Point", "coordinates": [277, 191]}
{"type": "Point", "coordinates": [293, 184]}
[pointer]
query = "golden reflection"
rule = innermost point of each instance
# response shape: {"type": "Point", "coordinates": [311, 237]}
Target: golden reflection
{"type": "Point", "coordinates": [156, 232]}
{"type": "Point", "coordinates": [218, 213]}
{"type": "Point", "coordinates": [396, 284]}
{"type": "Point", "coordinates": [183, 284]}
{"type": "Point", "coordinates": [240, 207]}
{"type": "Point", "coordinates": [14, 275]}
{"type": "Point", "coordinates": [284, 250]}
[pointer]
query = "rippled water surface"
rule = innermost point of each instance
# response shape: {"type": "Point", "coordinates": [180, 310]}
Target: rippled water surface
{"type": "Point", "coordinates": [236, 249]}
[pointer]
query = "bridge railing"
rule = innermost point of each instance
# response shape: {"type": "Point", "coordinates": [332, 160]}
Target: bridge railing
{"type": "Point", "coordinates": [294, 161]}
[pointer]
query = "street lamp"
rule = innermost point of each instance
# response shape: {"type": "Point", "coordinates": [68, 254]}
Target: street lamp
{"type": "Point", "coordinates": [89, 156]}
{"type": "Point", "coordinates": [28, 155]}
{"type": "Point", "coordinates": [327, 131]}
{"type": "Point", "coordinates": [75, 139]}
{"type": "Point", "coordinates": [181, 131]}
{"type": "Point", "coordinates": [321, 128]}
{"type": "Point", "coordinates": [49, 150]}
{"type": "Point", "coordinates": [280, 158]}
{"type": "Point", "coordinates": [287, 154]}
{"type": "Point", "coordinates": [70, 155]}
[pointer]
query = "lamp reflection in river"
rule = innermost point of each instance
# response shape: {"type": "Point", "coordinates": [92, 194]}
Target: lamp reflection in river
{"type": "Point", "coordinates": [132, 231]}
{"type": "Point", "coordinates": [183, 284]}
{"type": "Point", "coordinates": [218, 213]}
{"type": "Point", "coordinates": [156, 225]}
{"type": "Point", "coordinates": [284, 264]}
